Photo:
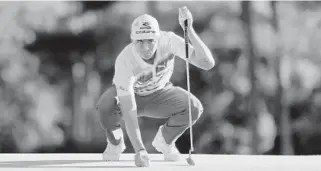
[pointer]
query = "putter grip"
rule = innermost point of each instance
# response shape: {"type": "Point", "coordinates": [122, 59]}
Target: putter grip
{"type": "Point", "coordinates": [186, 38]}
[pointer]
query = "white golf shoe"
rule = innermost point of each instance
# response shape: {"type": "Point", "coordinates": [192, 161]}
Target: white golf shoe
{"type": "Point", "coordinates": [169, 151]}
{"type": "Point", "coordinates": [113, 152]}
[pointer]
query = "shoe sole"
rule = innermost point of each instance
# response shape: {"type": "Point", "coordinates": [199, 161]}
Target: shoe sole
{"type": "Point", "coordinates": [165, 159]}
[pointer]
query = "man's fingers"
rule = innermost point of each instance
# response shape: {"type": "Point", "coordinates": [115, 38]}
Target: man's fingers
{"type": "Point", "coordinates": [142, 160]}
{"type": "Point", "coordinates": [185, 14]}
{"type": "Point", "coordinates": [184, 8]}
{"type": "Point", "coordinates": [146, 161]}
{"type": "Point", "coordinates": [143, 163]}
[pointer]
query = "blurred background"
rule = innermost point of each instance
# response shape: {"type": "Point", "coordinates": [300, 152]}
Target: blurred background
{"type": "Point", "coordinates": [262, 97]}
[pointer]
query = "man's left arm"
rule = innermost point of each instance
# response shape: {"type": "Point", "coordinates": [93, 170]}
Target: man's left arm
{"type": "Point", "coordinates": [201, 56]}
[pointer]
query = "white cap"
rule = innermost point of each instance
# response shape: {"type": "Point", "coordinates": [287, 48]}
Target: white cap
{"type": "Point", "coordinates": [145, 27]}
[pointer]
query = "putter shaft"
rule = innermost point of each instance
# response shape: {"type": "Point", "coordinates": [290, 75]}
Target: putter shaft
{"type": "Point", "coordinates": [188, 87]}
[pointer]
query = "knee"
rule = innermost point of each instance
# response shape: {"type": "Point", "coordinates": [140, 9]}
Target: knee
{"type": "Point", "coordinates": [107, 101]}
{"type": "Point", "coordinates": [110, 121]}
{"type": "Point", "coordinates": [107, 110]}
{"type": "Point", "coordinates": [196, 109]}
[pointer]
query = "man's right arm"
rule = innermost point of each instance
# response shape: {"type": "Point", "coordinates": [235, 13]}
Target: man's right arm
{"type": "Point", "coordinates": [129, 110]}
{"type": "Point", "coordinates": [125, 91]}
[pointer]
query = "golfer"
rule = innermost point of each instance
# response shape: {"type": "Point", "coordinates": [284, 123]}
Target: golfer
{"type": "Point", "coordinates": [141, 87]}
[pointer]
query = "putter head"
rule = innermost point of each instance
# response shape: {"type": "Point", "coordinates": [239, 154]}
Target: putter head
{"type": "Point", "coordinates": [190, 161]}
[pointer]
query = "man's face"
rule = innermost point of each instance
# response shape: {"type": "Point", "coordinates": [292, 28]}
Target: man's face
{"type": "Point", "coordinates": [146, 48]}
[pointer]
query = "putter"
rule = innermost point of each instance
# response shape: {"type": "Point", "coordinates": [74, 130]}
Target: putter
{"type": "Point", "coordinates": [189, 159]}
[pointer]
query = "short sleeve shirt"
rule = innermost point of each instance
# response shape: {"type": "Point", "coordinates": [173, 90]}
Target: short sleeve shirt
{"type": "Point", "coordinates": [134, 75]}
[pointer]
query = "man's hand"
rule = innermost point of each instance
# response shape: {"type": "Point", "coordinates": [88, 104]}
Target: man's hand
{"type": "Point", "coordinates": [142, 159]}
{"type": "Point", "coordinates": [185, 14]}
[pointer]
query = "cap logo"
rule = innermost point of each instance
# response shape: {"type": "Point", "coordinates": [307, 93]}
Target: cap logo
{"type": "Point", "coordinates": [146, 25]}
{"type": "Point", "coordinates": [145, 31]}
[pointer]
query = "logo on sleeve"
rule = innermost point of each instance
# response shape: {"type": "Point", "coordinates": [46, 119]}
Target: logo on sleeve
{"type": "Point", "coordinates": [121, 88]}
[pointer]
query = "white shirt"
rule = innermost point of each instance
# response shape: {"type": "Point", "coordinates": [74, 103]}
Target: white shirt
{"type": "Point", "coordinates": [134, 75]}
